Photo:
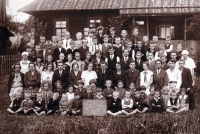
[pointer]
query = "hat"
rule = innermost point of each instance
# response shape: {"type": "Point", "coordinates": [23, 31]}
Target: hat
{"type": "Point", "coordinates": [112, 28]}
{"type": "Point", "coordinates": [100, 28]}
{"type": "Point", "coordinates": [24, 53]}
{"type": "Point", "coordinates": [185, 52]}
{"type": "Point", "coordinates": [80, 82]}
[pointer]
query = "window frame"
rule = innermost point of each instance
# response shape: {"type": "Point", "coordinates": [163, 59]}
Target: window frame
{"type": "Point", "coordinates": [158, 30]}
{"type": "Point", "coordinates": [61, 19]}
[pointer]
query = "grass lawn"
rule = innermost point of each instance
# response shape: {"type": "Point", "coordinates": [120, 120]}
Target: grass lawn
{"type": "Point", "coordinates": [186, 122]}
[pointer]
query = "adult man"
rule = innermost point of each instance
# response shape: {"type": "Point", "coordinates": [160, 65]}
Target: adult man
{"type": "Point", "coordinates": [145, 43]}
{"type": "Point", "coordinates": [168, 47]}
{"type": "Point", "coordinates": [146, 78]}
{"type": "Point", "coordinates": [160, 78]}
{"type": "Point", "coordinates": [112, 58]}
{"type": "Point", "coordinates": [174, 76]}
{"type": "Point", "coordinates": [187, 82]}
{"type": "Point", "coordinates": [173, 56]}
{"type": "Point", "coordinates": [104, 74]}
{"type": "Point", "coordinates": [58, 50]}
{"type": "Point", "coordinates": [32, 78]}
{"type": "Point", "coordinates": [67, 40]}
{"type": "Point", "coordinates": [83, 49]}
{"type": "Point", "coordinates": [124, 37]}
{"type": "Point", "coordinates": [155, 42]}
{"type": "Point", "coordinates": [189, 63]}
{"type": "Point", "coordinates": [132, 75]}
{"type": "Point", "coordinates": [125, 61]}
{"type": "Point", "coordinates": [61, 75]}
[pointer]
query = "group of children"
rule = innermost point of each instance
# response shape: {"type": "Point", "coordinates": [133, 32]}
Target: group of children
{"type": "Point", "coordinates": [119, 100]}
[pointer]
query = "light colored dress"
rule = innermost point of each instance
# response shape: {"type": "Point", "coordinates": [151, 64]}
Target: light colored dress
{"type": "Point", "coordinates": [47, 76]}
{"type": "Point", "coordinates": [24, 66]}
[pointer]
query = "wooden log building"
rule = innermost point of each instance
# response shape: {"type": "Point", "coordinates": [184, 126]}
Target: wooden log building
{"type": "Point", "coordinates": [155, 17]}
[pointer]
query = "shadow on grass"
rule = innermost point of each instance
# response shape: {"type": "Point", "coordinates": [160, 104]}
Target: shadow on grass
{"type": "Point", "coordinates": [186, 122]}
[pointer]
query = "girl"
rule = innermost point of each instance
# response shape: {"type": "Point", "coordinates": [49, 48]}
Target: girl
{"type": "Point", "coordinates": [39, 66]}
{"type": "Point", "coordinates": [53, 104]}
{"type": "Point", "coordinates": [183, 99]}
{"type": "Point", "coordinates": [64, 105]}
{"type": "Point", "coordinates": [127, 104]}
{"type": "Point", "coordinates": [48, 74]}
{"type": "Point", "coordinates": [46, 91]}
{"type": "Point", "coordinates": [99, 94]}
{"type": "Point", "coordinates": [75, 74]}
{"type": "Point", "coordinates": [107, 92]}
{"type": "Point", "coordinates": [61, 58]}
{"type": "Point", "coordinates": [70, 93]}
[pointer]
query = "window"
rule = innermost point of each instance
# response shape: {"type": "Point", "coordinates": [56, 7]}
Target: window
{"type": "Point", "coordinates": [165, 30]}
{"type": "Point", "coordinates": [61, 26]}
{"type": "Point", "coordinates": [93, 23]}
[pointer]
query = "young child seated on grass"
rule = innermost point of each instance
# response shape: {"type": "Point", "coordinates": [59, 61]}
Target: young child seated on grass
{"type": "Point", "coordinates": [32, 92]}
{"type": "Point", "coordinates": [120, 89]}
{"type": "Point", "coordinates": [26, 106]}
{"type": "Point", "coordinates": [15, 104]}
{"type": "Point", "coordinates": [151, 95]}
{"type": "Point", "coordinates": [127, 104]}
{"type": "Point", "coordinates": [53, 104]}
{"type": "Point", "coordinates": [59, 89]}
{"type": "Point", "coordinates": [165, 96]}
{"type": "Point", "coordinates": [107, 92]}
{"type": "Point", "coordinates": [64, 105]}
{"type": "Point", "coordinates": [70, 93]}
{"type": "Point", "coordinates": [173, 103]}
{"type": "Point", "coordinates": [39, 105]}
{"type": "Point", "coordinates": [99, 94]}
{"type": "Point", "coordinates": [88, 94]}
{"type": "Point", "coordinates": [116, 107]}
{"type": "Point", "coordinates": [157, 104]}
{"type": "Point", "coordinates": [184, 102]}
{"type": "Point", "coordinates": [46, 91]}
{"type": "Point", "coordinates": [140, 101]}
{"type": "Point", "coordinates": [77, 105]}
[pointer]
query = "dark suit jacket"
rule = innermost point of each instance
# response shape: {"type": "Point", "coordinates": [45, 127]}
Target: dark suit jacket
{"type": "Point", "coordinates": [100, 39]}
{"type": "Point", "coordinates": [56, 53]}
{"type": "Point", "coordinates": [108, 75]}
{"type": "Point", "coordinates": [82, 52]}
{"type": "Point", "coordinates": [146, 47]}
{"type": "Point", "coordinates": [139, 66]}
{"type": "Point", "coordinates": [186, 78]}
{"type": "Point", "coordinates": [32, 80]}
{"type": "Point", "coordinates": [88, 96]}
{"type": "Point", "coordinates": [125, 66]}
{"type": "Point", "coordinates": [73, 79]}
{"type": "Point", "coordinates": [160, 80]}
{"type": "Point", "coordinates": [165, 67]}
{"type": "Point", "coordinates": [64, 78]}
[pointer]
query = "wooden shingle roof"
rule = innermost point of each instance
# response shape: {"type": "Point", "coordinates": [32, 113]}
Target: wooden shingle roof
{"type": "Point", "coordinates": [51, 5]}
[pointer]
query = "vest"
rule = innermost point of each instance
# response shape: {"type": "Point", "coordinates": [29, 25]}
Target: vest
{"type": "Point", "coordinates": [173, 103]}
{"type": "Point", "coordinates": [104, 51]}
{"type": "Point", "coordinates": [167, 47]}
{"type": "Point", "coordinates": [112, 63]}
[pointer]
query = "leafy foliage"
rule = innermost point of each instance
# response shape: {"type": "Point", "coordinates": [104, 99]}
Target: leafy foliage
{"type": "Point", "coordinates": [194, 25]}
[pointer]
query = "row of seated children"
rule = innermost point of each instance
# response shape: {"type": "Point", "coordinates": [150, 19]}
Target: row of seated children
{"type": "Point", "coordinates": [120, 101]}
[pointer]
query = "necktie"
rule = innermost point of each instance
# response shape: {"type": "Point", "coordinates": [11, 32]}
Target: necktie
{"type": "Point", "coordinates": [145, 76]}
{"type": "Point", "coordinates": [111, 57]}
{"type": "Point", "coordinates": [138, 62]}
{"type": "Point", "coordinates": [66, 43]}
{"type": "Point", "coordinates": [158, 71]}
{"type": "Point", "coordinates": [125, 59]}
{"type": "Point", "coordinates": [60, 73]}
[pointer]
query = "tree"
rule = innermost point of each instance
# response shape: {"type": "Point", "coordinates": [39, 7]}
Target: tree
{"type": "Point", "coordinates": [194, 25]}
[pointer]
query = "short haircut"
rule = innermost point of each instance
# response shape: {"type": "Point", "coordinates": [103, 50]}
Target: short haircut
{"type": "Point", "coordinates": [79, 33]}
{"type": "Point", "coordinates": [61, 54]}
{"type": "Point", "coordinates": [124, 31]}
{"type": "Point", "coordinates": [172, 60]}
{"type": "Point", "coordinates": [75, 63]}
{"type": "Point", "coordinates": [87, 52]}
{"type": "Point", "coordinates": [72, 42]}
{"type": "Point", "coordinates": [94, 37]}
{"type": "Point", "coordinates": [31, 63]}
{"type": "Point", "coordinates": [117, 38]}
{"type": "Point", "coordinates": [103, 62]}
{"type": "Point", "coordinates": [125, 50]}
{"type": "Point", "coordinates": [173, 51]}
{"type": "Point", "coordinates": [110, 47]}
{"type": "Point", "coordinates": [60, 62]}
{"type": "Point", "coordinates": [181, 60]}
{"type": "Point", "coordinates": [120, 81]}
{"type": "Point", "coordinates": [77, 53]}
{"type": "Point", "coordinates": [138, 52]}
{"type": "Point", "coordinates": [116, 93]}
{"type": "Point", "coordinates": [67, 32]}
{"type": "Point", "coordinates": [158, 60]}
{"type": "Point", "coordinates": [155, 36]}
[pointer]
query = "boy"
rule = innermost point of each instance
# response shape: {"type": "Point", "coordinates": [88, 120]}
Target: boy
{"type": "Point", "coordinates": [77, 105]}
{"type": "Point", "coordinates": [112, 35]}
{"type": "Point", "coordinates": [168, 47]}
{"type": "Point", "coordinates": [16, 102]}
{"type": "Point", "coordinates": [151, 49]}
{"type": "Point", "coordinates": [145, 40]}
{"type": "Point", "coordinates": [46, 91]}
{"type": "Point", "coordinates": [139, 61]}
{"type": "Point", "coordinates": [95, 46]}
{"type": "Point", "coordinates": [178, 51]}
{"type": "Point", "coordinates": [72, 50]}
{"type": "Point", "coordinates": [26, 106]}
{"type": "Point", "coordinates": [132, 89]}
{"type": "Point", "coordinates": [112, 58]}
{"type": "Point", "coordinates": [88, 94]}
{"type": "Point", "coordinates": [93, 86]}
{"type": "Point", "coordinates": [39, 66]}
{"type": "Point", "coordinates": [173, 103]}
{"type": "Point", "coordinates": [183, 99]}
{"type": "Point", "coordinates": [115, 107]}
{"type": "Point", "coordinates": [120, 89]}
{"type": "Point", "coordinates": [157, 104]}
{"type": "Point", "coordinates": [151, 95]}
{"type": "Point", "coordinates": [48, 51]}
{"type": "Point", "coordinates": [161, 52]}
{"type": "Point", "coordinates": [83, 49]}
{"type": "Point", "coordinates": [79, 89]}
{"type": "Point", "coordinates": [118, 47]}
{"type": "Point", "coordinates": [105, 46]}
{"type": "Point", "coordinates": [107, 92]}
{"type": "Point", "coordinates": [165, 95]}
{"type": "Point", "coordinates": [39, 104]}
{"type": "Point", "coordinates": [59, 89]}
{"type": "Point", "coordinates": [127, 104]}
{"type": "Point", "coordinates": [141, 50]}
{"type": "Point", "coordinates": [53, 104]}
{"type": "Point", "coordinates": [99, 94]}
{"type": "Point", "coordinates": [129, 48]}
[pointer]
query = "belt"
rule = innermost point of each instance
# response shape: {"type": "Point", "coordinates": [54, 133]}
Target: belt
{"type": "Point", "coordinates": [173, 82]}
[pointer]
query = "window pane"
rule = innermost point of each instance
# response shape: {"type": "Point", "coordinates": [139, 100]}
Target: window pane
{"type": "Point", "coordinates": [63, 33]}
{"type": "Point", "coordinates": [172, 31]}
{"type": "Point", "coordinates": [92, 25]}
{"type": "Point", "coordinates": [58, 33]}
{"type": "Point", "coordinates": [58, 23]}
{"type": "Point", "coordinates": [63, 24]}
{"type": "Point", "coordinates": [86, 29]}
{"type": "Point", "coordinates": [162, 32]}
{"type": "Point", "coordinates": [98, 21]}
{"type": "Point", "coordinates": [92, 21]}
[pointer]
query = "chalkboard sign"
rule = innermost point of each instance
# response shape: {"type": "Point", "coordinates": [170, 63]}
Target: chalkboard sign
{"type": "Point", "coordinates": [94, 107]}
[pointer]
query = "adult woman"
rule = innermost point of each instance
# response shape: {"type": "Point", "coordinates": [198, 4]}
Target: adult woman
{"type": "Point", "coordinates": [118, 74]}
{"type": "Point", "coordinates": [87, 60]}
{"type": "Point", "coordinates": [89, 74]}
{"type": "Point", "coordinates": [100, 34]}
{"type": "Point", "coordinates": [75, 74]}
{"type": "Point", "coordinates": [24, 63]}
{"type": "Point", "coordinates": [48, 74]}
{"type": "Point", "coordinates": [16, 81]}
{"type": "Point", "coordinates": [97, 61]}
{"type": "Point", "coordinates": [78, 42]}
